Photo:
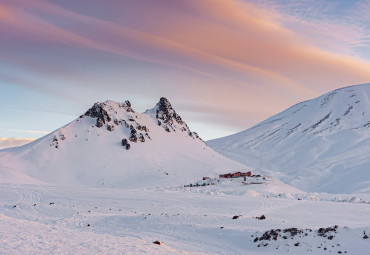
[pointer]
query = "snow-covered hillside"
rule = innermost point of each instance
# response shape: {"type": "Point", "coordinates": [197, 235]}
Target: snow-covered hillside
{"type": "Point", "coordinates": [318, 145]}
{"type": "Point", "coordinates": [111, 145]}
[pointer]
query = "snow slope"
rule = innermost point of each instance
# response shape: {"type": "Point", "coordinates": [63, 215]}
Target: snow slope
{"type": "Point", "coordinates": [317, 145]}
{"type": "Point", "coordinates": [36, 219]}
{"type": "Point", "coordinates": [112, 145]}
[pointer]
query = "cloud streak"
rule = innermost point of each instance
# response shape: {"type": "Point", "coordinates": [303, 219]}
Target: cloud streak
{"type": "Point", "coordinates": [13, 142]}
{"type": "Point", "coordinates": [235, 55]}
{"type": "Point", "coordinates": [266, 55]}
{"type": "Point", "coordinates": [26, 131]}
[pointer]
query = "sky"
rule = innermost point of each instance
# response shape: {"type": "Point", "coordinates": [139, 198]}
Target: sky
{"type": "Point", "coordinates": [225, 65]}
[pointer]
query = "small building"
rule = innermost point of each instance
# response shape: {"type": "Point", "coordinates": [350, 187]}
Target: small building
{"type": "Point", "coordinates": [246, 174]}
{"type": "Point", "coordinates": [236, 175]}
{"type": "Point", "coordinates": [229, 175]}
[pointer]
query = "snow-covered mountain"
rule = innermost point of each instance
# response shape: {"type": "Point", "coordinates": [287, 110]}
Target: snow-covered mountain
{"type": "Point", "coordinates": [318, 145]}
{"type": "Point", "coordinates": [113, 145]}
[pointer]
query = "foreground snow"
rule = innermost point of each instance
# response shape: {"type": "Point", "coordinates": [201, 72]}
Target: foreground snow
{"type": "Point", "coordinates": [63, 220]}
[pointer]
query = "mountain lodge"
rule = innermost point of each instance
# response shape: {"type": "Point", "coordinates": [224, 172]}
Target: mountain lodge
{"type": "Point", "coordinates": [235, 175]}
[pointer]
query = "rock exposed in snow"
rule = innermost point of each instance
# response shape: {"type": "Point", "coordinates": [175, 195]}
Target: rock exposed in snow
{"type": "Point", "coordinates": [168, 119]}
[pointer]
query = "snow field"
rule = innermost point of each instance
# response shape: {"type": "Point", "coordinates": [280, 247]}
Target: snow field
{"type": "Point", "coordinates": [61, 220]}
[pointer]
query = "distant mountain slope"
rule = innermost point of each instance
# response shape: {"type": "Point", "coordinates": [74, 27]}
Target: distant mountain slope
{"type": "Point", "coordinates": [318, 145]}
{"type": "Point", "coordinates": [113, 145]}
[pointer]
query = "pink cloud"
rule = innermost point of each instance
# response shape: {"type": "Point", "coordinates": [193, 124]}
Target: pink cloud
{"type": "Point", "coordinates": [229, 51]}
{"type": "Point", "coordinates": [13, 142]}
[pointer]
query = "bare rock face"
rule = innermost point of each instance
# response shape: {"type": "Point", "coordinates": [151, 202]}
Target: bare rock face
{"type": "Point", "coordinates": [55, 142]}
{"type": "Point", "coordinates": [127, 106]}
{"type": "Point", "coordinates": [126, 144]}
{"type": "Point", "coordinates": [170, 121]}
{"type": "Point", "coordinates": [98, 112]}
{"type": "Point", "coordinates": [142, 128]}
{"type": "Point", "coordinates": [133, 136]}
{"type": "Point", "coordinates": [115, 117]}
{"type": "Point", "coordinates": [110, 127]}
{"type": "Point", "coordinates": [166, 114]}
{"type": "Point", "coordinates": [194, 135]}
{"type": "Point", "coordinates": [141, 138]}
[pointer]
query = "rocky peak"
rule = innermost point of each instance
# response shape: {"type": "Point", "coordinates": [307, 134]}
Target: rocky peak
{"type": "Point", "coordinates": [164, 103]}
{"type": "Point", "coordinates": [99, 112]}
{"type": "Point", "coordinates": [166, 114]}
{"type": "Point", "coordinates": [168, 118]}
{"type": "Point", "coordinates": [112, 115]}
{"type": "Point", "coordinates": [127, 106]}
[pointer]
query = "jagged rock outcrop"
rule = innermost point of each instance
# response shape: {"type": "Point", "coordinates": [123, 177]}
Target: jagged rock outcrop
{"type": "Point", "coordinates": [169, 120]}
{"type": "Point", "coordinates": [141, 138]}
{"type": "Point", "coordinates": [110, 127]}
{"type": "Point", "coordinates": [133, 136]}
{"type": "Point", "coordinates": [98, 112]}
{"type": "Point", "coordinates": [125, 144]}
{"type": "Point", "coordinates": [127, 106]}
{"type": "Point", "coordinates": [55, 142]}
{"type": "Point", "coordinates": [115, 117]}
{"type": "Point", "coordinates": [167, 115]}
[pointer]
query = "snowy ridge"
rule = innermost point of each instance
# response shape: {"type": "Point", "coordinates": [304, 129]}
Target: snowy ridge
{"type": "Point", "coordinates": [111, 145]}
{"type": "Point", "coordinates": [317, 145]}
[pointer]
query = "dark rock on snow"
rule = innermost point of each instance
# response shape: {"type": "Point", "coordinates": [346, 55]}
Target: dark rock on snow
{"type": "Point", "coordinates": [99, 113]}
{"type": "Point", "coordinates": [125, 144]}
{"type": "Point", "coordinates": [141, 138]}
{"type": "Point", "coordinates": [263, 217]}
{"type": "Point", "coordinates": [133, 136]}
{"type": "Point", "coordinates": [127, 106]}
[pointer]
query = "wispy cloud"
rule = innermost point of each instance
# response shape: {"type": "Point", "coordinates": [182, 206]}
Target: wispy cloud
{"type": "Point", "coordinates": [222, 53]}
{"type": "Point", "coordinates": [337, 26]}
{"type": "Point", "coordinates": [13, 142]}
{"type": "Point", "coordinates": [265, 57]}
{"type": "Point", "coordinates": [25, 131]}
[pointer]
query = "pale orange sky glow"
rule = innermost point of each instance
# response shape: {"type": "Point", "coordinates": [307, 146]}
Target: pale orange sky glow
{"type": "Point", "coordinates": [224, 64]}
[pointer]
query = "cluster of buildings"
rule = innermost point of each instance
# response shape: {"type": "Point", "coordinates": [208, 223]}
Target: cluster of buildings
{"type": "Point", "coordinates": [231, 175]}
{"type": "Point", "coordinates": [211, 181]}
{"type": "Point", "coordinates": [236, 175]}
